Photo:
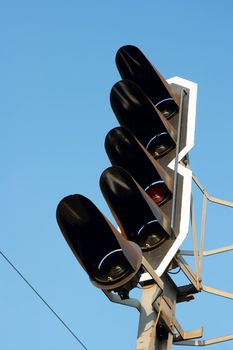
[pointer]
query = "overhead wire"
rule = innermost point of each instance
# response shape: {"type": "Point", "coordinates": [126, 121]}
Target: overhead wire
{"type": "Point", "coordinates": [43, 300]}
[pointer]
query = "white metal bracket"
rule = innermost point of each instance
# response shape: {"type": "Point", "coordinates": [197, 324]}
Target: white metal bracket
{"type": "Point", "coordinates": [205, 342]}
{"type": "Point", "coordinates": [196, 278]}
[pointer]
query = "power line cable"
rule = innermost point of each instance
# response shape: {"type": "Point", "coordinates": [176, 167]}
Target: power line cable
{"type": "Point", "coordinates": [43, 300]}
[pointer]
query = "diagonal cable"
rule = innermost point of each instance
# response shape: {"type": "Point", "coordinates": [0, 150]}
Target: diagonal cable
{"type": "Point", "coordinates": [43, 300]}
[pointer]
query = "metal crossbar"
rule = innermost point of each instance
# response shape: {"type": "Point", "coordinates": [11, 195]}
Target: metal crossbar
{"type": "Point", "coordinates": [199, 254]}
{"type": "Point", "coordinates": [198, 258]}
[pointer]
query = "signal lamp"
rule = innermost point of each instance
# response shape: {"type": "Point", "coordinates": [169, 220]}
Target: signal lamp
{"type": "Point", "coordinates": [133, 65]}
{"type": "Point", "coordinates": [110, 260]}
{"type": "Point", "coordinates": [136, 112]}
{"type": "Point", "coordinates": [113, 267]}
{"type": "Point", "coordinates": [159, 193]}
{"type": "Point", "coordinates": [125, 151]}
{"type": "Point", "coordinates": [167, 107]}
{"type": "Point", "coordinates": [160, 145]}
{"type": "Point", "coordinates": [151, 235]}
{"type": "Point", "coordinates": [135, 212]}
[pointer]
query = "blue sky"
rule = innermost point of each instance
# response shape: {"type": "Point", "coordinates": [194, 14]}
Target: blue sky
{"type": "Point", "coordinates": [57, 68]}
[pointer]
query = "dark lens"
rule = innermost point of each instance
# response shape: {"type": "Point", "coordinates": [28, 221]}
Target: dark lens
{"type": "Point", "coordinates": [159, 193]}
{"type": "Point", "coordinates": [160, 145]}
{"type": "Point", "coordinates": [167, 107]}
{"type": "Point", "coordinates": [114, 266]}
{"type": "Point", "coordinates": [151, 235]}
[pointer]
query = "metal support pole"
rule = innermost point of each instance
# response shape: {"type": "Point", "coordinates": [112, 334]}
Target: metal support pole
{"type": "Point", "coordinates": [168, 319]}
{"type": "Point", "coordinates": [148, 319]}
{"type": "Point", "coordinates": [157, 323]}
{"type": "Point", "coordinates": [164, 344]}
{"type": "Point", "coordinates": [149, 338]}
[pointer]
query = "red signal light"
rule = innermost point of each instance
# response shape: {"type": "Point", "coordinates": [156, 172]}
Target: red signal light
{"type": "Point", "coordinates": [159, 193]}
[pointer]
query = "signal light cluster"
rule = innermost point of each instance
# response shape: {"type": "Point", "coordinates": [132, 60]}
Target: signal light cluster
{"type": "Point", "coordinates": [139, 185]}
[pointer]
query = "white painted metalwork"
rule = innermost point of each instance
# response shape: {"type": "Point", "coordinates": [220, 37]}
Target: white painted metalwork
{"type": "Point", "coordinates": [199, 254]}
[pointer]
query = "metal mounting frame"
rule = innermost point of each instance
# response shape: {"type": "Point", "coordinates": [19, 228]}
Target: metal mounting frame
{"type": "Point", "coordinates": [155, 307]}
{"type": "Point", "coordinates": [157, 304]}
{"type": "Point", "coordinates": [196, 278]}
{"type": "Point", "coordinates": [200, 253]}
{"type": "Point", "coordinates": [159, 298]}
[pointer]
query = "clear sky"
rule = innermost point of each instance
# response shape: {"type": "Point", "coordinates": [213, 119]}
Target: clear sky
{"type": "Point", "coordinates": [57, 68]}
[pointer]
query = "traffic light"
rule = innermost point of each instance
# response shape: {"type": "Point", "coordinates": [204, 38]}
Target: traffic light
{"type": "Point", "coordinates": [111, 261]}
{"type": "Point", "coordinates": [132, 108]}
{"type": "Point", "coordinates": [134, 66]}
{"type": "Point", "coordinates": [148, 186]}
{"type": "Point", "coordinates": [125, 150]}
{"type": "Point", "coordinates": [138, 217]}
{"type": "Point", "coordinates": [157, 121]}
